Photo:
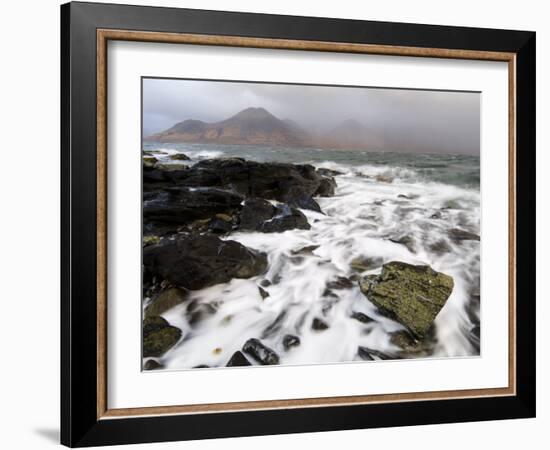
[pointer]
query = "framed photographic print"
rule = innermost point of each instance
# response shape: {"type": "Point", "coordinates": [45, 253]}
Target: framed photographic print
{"type": "Point", "coordinates": [276, 224]}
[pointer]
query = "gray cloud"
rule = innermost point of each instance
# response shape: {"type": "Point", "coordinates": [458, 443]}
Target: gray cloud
{"type": "Point", "coordinates": [405, 120]}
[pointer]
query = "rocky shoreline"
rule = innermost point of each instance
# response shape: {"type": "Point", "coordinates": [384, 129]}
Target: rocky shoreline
{"type": "Point", "coordinates": [189, 214]}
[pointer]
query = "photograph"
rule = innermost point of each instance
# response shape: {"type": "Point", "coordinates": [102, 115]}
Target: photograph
{"type": "Point", "coordinates": [289, 224]}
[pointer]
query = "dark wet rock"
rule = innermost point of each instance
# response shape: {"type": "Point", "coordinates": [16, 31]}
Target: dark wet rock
{"type": "Point", "coordinates": [158, 336]}
{"type": "Point", "coordinates": [152, 364]}
{"type": "Point", "coordinates": [412, 295]}
{"type": "Point", "coordinates": [307, 250]}
{"type": "Point", "coordinates": [319, 324]}
{"type": "Point", "coordinates": [179, 157]}
{"type": "Point", "coordinates": [298, 197]}
{"type": "Point", "coordinates": [407, 241]}
{"type": "Point", "coordinates": [326, 188]}
{"type": "Point", "coordinates": [150, 195]}
{"type": "Point", "coordinates": [171, 167]}
{"type": "Point", "coordinates": [263, 292]}
{"type": "Point", "coordinates": [197, 311]}
{"type": "Point", "coordinates": [265, 283]}
{"type": "Point", "coordinates": [458, 235]}
{"type": "Point", "coordinates": [238, 360]}
{"type": "Point", "coordinates": [260, 215]}
{"type": "Point", "coordinates": [362, 264]}
{"type": "Point", "coordinates": [361, 317]}
{"type": "Point", "coordinates": [294, 184]}
{"type": "Point", "coordinates": [289, 341]}
{"type": "Point", "coordinates": [364, 355]}
{"type": "Point", "coordinates": [180, 205]}
{"type": "Point", "coordinates": [440, 247]}
{"type": "Point", "coordinates": [340, 283]}
{"type": "Point", "coordinates": [152, 175]}
{"type": "Point", "coordinates": [166, 300]}
{"type": "Point", "coordinates": [194, 177]}
{"type": "Point", "coordinates": [329, 172]}
{"type": "Point", "coordinates": [254, 213]}
{"type": "Point", "coordinates": [404, 340]}
{"type": "Point", "coordinates": [219, 226]}
{"type": "Point", "coordinates": [286, 218]}
{"type": "Point", "coordinates": [436, 215]}
{"type": "Point", "coordinates": [201, 366]}
{"type": "Point", "coordinates": [153, 324]}
{"type": "Point", "coordinates": [196, 262]}
{"type": "Point", "coordinates": [369, 354]}
{"type": "Point", "coordinates": [411, 346]}
{"type": "Point", "coordinates": [260, 352]}
{"type": "Point", "coordinates": [475, 335]}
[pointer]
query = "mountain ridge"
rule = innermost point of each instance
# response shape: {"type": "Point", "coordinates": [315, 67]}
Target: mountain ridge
{"type": "Point", "coordinates": [256, 125]}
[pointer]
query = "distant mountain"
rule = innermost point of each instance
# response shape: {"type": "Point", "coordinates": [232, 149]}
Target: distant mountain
{"type": "Point", "coordinates": [258, 126]}
{"type": "Point", "coordinates": [250, 126]}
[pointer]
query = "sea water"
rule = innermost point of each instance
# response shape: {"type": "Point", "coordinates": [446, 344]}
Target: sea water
{"type": "Point", "coordinates": [380, 198]}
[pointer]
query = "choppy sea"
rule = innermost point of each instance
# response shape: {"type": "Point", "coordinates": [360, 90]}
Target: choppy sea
{"type": "Point", "coordinates": [380, 198]}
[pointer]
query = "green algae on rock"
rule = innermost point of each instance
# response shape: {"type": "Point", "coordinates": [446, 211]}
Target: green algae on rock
{"type": "Point", "coordinates": [150, 240]}
{"type": "Point", "coordinates": [149, 161]}
{"type": "Point", "coordinates": [158, 336]}
{"type": "Point", "coordinates": [412, 295]}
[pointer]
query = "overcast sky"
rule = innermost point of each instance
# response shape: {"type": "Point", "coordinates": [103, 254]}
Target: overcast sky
{"type": "Point", "coordinates": [408, 120]}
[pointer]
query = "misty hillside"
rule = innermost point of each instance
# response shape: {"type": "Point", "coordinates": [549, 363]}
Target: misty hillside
{"type": "Point", "coordinates": [258, 126]}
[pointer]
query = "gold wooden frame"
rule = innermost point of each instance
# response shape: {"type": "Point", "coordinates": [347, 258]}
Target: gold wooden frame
{"type": "Point", "coordinates": [103, 36]}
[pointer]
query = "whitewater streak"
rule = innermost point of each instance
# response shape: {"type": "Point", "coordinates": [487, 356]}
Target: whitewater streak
{"type": "Point", "coordinates": [359, 221]}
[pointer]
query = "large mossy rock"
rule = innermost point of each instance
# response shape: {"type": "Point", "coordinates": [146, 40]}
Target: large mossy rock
{"type": "Point", "coordinates": [412, 295]}
{"type": "Point", "coordinates": [196, 262]}
{"type": "Point", "coordinates": [158, 336]}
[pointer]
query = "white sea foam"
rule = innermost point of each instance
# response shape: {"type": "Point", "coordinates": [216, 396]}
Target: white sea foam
{"type": "Point", "coordinates": [359, 221]}
{"type": "Point", "coordinates": [203, 154]}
